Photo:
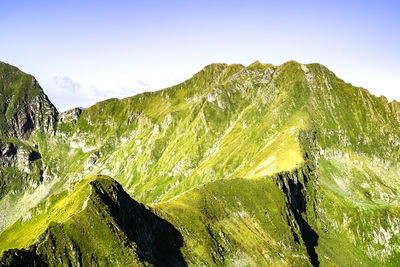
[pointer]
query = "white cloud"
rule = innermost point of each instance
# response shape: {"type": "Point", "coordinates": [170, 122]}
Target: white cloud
{"type": "Point", "coordinates": [66, 83]}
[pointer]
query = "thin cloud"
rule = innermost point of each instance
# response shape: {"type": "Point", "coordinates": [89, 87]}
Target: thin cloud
{"type": "Point", "coordinates": [142, 83]}
{"type": "Point", "coordinates": [66, 83]}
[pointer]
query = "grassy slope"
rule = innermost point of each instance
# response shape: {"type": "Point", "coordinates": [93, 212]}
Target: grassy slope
{"type": "Point", "coordinates": [235, 222]}
{"type": "Point", "coordinates": [183, 136]}
{"type": "Point", "coordinates": [57, 208]}
{"type": "Point", "coordinates": [64, 229]}
{"type": "Point", "coordinates": [203, 149]}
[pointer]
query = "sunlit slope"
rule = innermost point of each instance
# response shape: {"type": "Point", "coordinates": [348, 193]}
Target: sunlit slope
{"type": "Point", "coordinates": [228, 121]}
{"type": "Point", "coordinates": [247, 126]}
{"type": "Point", "coordinates": [57, 208]}
{"type": "Point", "coordinates": [225, 122]}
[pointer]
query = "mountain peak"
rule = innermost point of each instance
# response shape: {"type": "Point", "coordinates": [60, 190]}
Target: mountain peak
{"type": "Point", "coordinates": [25, 106]}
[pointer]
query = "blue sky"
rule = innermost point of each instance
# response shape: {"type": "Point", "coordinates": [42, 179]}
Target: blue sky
{"type": "Point", "coordinates": [86, 51]}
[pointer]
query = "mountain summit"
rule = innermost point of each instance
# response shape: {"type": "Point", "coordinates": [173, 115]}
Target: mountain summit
{"type": "Point", "coordinates": [257, 165]}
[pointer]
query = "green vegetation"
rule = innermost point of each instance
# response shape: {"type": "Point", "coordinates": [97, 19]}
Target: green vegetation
{"type": "Point", "coordinates": [257, 165]}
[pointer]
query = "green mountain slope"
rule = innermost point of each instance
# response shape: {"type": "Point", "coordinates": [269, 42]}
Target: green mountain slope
{"type": "Point", "coordinates": [125, 232]}
{"type": "Point", "coordinates": [256, 165]}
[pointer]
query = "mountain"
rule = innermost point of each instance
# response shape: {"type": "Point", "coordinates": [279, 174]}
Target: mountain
{"type": "Point", "coordinates": [257, 165]}
{"type": "Point", "coordinates": [24, 109]}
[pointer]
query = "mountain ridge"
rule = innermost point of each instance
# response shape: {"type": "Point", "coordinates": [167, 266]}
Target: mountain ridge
{"type": "Point", "coordinates": [252, 165]}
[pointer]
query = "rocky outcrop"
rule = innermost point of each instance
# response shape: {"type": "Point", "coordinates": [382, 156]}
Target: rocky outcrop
{"type": "Point", "coordinates": [24, 108]}
{"type": "Point", "coordinates": [24, 105]}
{"type": "Point", "coordinates": [20, 166]}
{"type": "Point", "coordinates": [70, 116]}
{"type": "Point", "coordinates": [37, 113]}
{"type": "Point", "coordinates": [8, 154]}
{"type": "Point", "coordinates": [20, 156]}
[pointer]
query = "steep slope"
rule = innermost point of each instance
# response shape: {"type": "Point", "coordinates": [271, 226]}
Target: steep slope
{"type": "Point", "coordinates": [177, 138]}
{"type": "Point", "coordinates": [24, 109]}
{"type": "Point", "coordinates": [255, 165]}
{"type": "Point", "coordinates": [125, 232]}
{"type": "Point", "coordinates": [24, 106]}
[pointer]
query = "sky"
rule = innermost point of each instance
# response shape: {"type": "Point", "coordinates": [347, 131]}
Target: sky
{"type": "Point", "coordinates": [82, 52]}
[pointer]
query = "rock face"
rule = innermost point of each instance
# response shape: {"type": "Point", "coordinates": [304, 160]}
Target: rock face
{"type": "Point", "coordinates": [239, 165]}
{"type": "Point", "coordinates": [24, 109]}
{"type": "Point", "coordinates": [8, 154]}
{"type": "Point", "coordinates": [24, 105]}
{"type": "Point", "coordinates": [20, 167]}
